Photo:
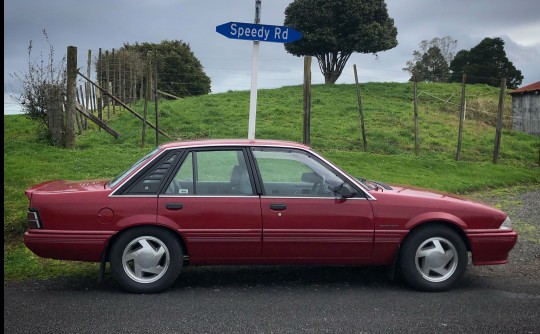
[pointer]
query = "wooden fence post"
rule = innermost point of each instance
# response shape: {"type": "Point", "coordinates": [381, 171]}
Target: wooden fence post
{"type": "Point", "coordinates": [156, 102]}
{"type": "Point", "coordinates": [141, 79]}
{"type": "Point", "coordinates": [87, 85]}
{"type": "Point", "coordinates": [416, 139]}
{"type": "Point", "coordinates": [498, 132]}
{"type": "Point", "coordinates": [71, 93]}
{"type": "Point", "coordinates": [360, 110]}
{"type": "Point", "coordinates": [113, 89]}
{"type": "Point", "coordinates": [146, 97]}
{"type": "Point", "coordinates": [307, 101]}
{"type": "Point", "coordinates": [131, 81]}
{"type": "Point", "coordinates": [92, 100]}
{"type": "Point", "coordinates": [124, 74]}
{"type": "Point", "coordinates": [78, 119]}
{"type": "Point", "coordinates": [108, 79]}
{"type": "Point", "coordinates": [461, 116]}
{"type": "Point", "coordinates": [55, 114]}
{"type": "Point", "coordinates": [99, 79]}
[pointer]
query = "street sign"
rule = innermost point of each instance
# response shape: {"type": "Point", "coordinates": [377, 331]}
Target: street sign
{"type": "Point", "coordinates": [258, 32]}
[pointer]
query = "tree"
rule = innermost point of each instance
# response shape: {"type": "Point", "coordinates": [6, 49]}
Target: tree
{"type": "Point", "coordinates": [333, 30]}
{"type": "Point", "coordinates": [179, 72]}
{"type": "Point", "coordinates": [428, 57]}
{"type": "Point", "coordinates": [432, 67]}
{"type": "Point", "coordinates": [486, 63]}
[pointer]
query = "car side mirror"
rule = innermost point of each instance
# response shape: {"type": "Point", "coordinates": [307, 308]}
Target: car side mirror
{"type": "Point", "coordinates": [345, 190]}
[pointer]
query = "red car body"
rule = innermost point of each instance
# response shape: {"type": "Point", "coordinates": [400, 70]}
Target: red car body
{"type": "Point", "coordinates": [82, 220]}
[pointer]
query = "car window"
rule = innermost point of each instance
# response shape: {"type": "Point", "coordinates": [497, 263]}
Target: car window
{"type": "Point", "coordinates": [294, 173]}
{"type": "Point", "coordinates": [215, 173]}
{"type": "Point", "coordinates": [120, 177]}
{"type": "Point", "coordinates": [151, 181]}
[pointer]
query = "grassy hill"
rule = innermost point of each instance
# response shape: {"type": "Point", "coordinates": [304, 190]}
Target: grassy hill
{"type": "Point", "coordinates": [335, 132]}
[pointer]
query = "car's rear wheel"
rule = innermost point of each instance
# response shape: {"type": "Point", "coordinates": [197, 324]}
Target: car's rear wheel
{"type": "Point", "coordinates": [146, 260]}
{"type": "Point", "coordinates": [433, 258]}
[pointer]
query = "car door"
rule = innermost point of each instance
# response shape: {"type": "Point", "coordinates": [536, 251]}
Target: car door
{"type": "Point", "coordinates": [303, 219]}
{"type": "Point", "coordinates": [211, 200]}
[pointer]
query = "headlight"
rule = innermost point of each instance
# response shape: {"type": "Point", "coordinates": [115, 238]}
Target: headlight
{"type": "Point", "coordinates": [506, 225]}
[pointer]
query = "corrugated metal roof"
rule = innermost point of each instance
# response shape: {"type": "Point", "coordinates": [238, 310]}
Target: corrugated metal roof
{"type": "Point", "coordinates": [534, 87]}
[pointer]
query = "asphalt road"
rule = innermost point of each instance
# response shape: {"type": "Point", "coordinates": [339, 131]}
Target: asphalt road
{"type": "Point", "coordinates": [276, 300]}
{"type": "Point", "coordinates": [292, 299]}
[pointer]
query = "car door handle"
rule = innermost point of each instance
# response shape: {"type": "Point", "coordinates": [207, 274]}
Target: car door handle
{"type": "Point", "coordinates": [278, 206]}
{"type": "Point", "coordinates": [173, 206]}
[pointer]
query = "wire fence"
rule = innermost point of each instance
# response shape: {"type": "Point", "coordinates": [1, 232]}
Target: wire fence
{"type": "Point", "coordinates": [127, 78]}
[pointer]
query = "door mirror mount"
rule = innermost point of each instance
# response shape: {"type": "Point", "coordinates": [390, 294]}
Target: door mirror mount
{"type": "Point", "coordinates": [344, 190]}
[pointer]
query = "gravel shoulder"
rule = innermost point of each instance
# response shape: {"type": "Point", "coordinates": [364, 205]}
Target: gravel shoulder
{"type": "Point", "coordinates": [522, 204]}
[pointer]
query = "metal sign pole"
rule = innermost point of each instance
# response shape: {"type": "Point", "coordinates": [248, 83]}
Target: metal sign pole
{"type": "Point", "coordinates": [254, 69]}
{"type": "Point", "coordinates": [257, 33]}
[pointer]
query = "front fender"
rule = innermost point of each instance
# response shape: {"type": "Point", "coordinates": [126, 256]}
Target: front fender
{"type": "Point", "coordinates": [435, 216]}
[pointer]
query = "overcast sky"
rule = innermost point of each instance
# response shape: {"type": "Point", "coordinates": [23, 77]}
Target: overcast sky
{"type": "Point", "coordinates": [108, 24]}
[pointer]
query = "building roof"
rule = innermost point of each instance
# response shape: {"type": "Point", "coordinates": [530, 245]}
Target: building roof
{"type": "Point", "coordinates": [534, 87]}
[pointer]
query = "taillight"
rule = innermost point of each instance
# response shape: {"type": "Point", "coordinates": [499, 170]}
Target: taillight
{"type": "Point", "coordinates": [33, 219]}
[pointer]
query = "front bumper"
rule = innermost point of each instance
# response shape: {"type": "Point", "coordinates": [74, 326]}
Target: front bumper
{"type": "Point", "coordinates": [491, 246]}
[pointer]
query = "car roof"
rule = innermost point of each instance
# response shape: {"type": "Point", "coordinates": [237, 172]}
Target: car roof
{"type": "Point", "coordinates": [233, 142]}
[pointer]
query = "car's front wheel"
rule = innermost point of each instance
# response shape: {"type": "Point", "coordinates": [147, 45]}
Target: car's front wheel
{"type": "Point", "coordinates": [433, 258]}
{"type": "Point", "coordinates": [146, 260]}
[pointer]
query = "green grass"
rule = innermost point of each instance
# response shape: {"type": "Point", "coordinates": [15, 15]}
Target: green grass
{"type": "Point", "coordinates": [335, 132]}
{"type": "Point", "coordinates": [20, 263]}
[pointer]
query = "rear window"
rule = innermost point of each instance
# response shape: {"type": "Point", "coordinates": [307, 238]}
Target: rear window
{"type": "Point", "coordinates": [122, 176]}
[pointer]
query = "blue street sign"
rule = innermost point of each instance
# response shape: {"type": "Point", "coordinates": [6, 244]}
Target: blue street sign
{"type": "Point", "coordinates": [258, 32]}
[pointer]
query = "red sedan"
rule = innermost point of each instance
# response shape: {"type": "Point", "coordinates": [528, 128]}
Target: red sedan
{"type": "Point", "coordinates": [258, 202]}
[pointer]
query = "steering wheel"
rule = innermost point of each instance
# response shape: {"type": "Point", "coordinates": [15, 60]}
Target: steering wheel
{"type": "Point", "coordinates": [321, 187]}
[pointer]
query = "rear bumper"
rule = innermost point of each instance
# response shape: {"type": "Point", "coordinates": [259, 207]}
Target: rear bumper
{"type": "Point", "coordinates": [67, 245]}
{"type": "Point", "coordinates": [491, 246]}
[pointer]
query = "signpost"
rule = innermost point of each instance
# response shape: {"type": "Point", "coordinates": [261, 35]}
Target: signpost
{"type": "Point", "coordinates": [257, 33]}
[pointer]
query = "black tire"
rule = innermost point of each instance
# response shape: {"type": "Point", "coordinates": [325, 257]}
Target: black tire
{"type": "Point", "coordinates": [433, 258]}
{"type": "Point", "coordinates": [146, 260]}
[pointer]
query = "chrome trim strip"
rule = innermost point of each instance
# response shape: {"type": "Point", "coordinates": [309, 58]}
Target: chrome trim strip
{"type": "Point", "coordinates": [208, 196]}
{"type": "Point", "coordinates": [310, 197]}
{"type": "Point", "coordinates": [240, 196]}
{"type": "Point", "coordinates": [188, 196]}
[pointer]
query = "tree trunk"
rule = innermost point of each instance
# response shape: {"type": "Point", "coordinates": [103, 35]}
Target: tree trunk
{"type": "Point", "coordinates": [332, 64]}
{"type": "Point", "coordinates": [331, 77]}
